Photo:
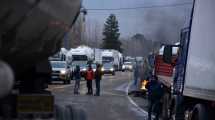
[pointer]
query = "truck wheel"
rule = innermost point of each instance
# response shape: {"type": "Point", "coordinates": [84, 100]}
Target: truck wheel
{"type": "Point", "coordinates": [199, 112]}
{"type": "Point", "coordinates": [64, 82]}
{"type": "Point", "coordinates": [69, 81]}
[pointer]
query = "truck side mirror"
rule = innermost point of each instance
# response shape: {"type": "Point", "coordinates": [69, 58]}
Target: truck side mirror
{"type": "Point", "coordinates": [167, 54]}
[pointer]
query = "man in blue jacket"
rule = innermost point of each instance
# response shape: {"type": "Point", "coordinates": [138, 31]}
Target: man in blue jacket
{"type": "Point", "coordinates": [77, 76]}
{"type": "Point", "coordinates": [155, 93]}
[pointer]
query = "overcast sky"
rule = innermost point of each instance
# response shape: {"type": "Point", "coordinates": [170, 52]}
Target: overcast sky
{"type": "Point", "coordinates": [148, 21]}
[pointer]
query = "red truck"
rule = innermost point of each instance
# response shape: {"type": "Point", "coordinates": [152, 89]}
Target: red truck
{"type": "Point", "coordinates": [163, 70]}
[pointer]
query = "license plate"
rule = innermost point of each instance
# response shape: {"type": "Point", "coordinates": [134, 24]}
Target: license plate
{"type": "Point", "coordinates": [35, 104]}
{"type": "Point", "coordinates": [55, 77]}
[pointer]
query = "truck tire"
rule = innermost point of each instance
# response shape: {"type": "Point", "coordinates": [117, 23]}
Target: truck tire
{"type": "Point", "coordinates": [113, 73]}
{"type": "Point", "coordinates": [69, 81]}
{"type": "Point", "coordinates": [64, 82]}
{"type": "Point", "coordinates": [199, 112]}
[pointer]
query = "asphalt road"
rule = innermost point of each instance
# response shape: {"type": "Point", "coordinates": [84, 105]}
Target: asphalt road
{"type": "Point", "coordinates": [113, 104]}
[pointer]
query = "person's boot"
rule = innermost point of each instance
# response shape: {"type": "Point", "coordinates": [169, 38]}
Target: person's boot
{"type": "Point", "coordinates": [96, 94]}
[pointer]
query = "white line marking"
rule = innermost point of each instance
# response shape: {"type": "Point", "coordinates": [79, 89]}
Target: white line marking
{"type": "Point", "coordinates": [133, 103]}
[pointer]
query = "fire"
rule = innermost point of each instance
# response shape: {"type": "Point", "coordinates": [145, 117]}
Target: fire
{"type": "Point", "coordinates": [143, 84]}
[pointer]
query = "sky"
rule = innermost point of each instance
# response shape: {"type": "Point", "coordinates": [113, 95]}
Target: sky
{"type": "Point", "coordinates": [156, 23]}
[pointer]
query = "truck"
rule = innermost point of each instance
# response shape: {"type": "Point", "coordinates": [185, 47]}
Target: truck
{"type": "Point", "coordinates": [129, 59]}
{"type": "Point", "coordinates": [80, 54]}
{"type": "Point", "coordinates": [188, 77]}
{"type": "Point", "coordinates": [30, 32]}
{"type": "Point", "coordinates": [98, 56]}
{"type": "Point", "coordinates": [59, 56]}
{"type": "Point", "coordinates": [113, 56]}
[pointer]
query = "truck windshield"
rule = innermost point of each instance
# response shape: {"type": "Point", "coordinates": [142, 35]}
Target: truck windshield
{"type": "Point", "coordinates": [58, 64]}
{"type": "Point", "coordinates": [93, 66]}
{"type": "Point", "coordinates": [108, 65]}
{"type": "Point", "coordinates": [128, 63]}
{"type": "Point", "coordinates": [107, 59]}
{"type": "Point", "coordinates": [79, 58]}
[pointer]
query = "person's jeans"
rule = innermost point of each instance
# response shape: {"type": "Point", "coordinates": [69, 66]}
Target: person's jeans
{"type": "Point", "coordinates": [154, 106]}
{"type": "Point", "coordinates": [97, 86]}
{"type": "Point", "coordinates": [90, 87]}
{"type": "Point", "coordinates": [77, 86]}
{"type": "Point", "coordinates": [135, 79]}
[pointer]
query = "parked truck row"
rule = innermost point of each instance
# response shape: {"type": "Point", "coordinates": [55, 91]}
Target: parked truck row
{"type": "Point", "coordinates": [82, 56]}
{"type": "Point", "coordinates": [86, 55]}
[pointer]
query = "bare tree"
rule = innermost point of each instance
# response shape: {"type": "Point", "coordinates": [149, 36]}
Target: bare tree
{"type": "Point", "coordinates": [93, 33]}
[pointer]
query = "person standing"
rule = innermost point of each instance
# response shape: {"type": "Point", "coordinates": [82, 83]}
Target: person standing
{"type": "Point", "coordinates": [77, 76]}
{"type": "Point", "coordinates": [155, 93]}
{"type": "Point", "coordinates": [89, 78]}
{"type": "Point", "coordinates": [98, 77]}
{"type": "Point", "coordinates": [136, 73]}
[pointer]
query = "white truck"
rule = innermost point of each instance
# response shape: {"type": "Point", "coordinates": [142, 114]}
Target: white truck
{"type": "Point", "coordinates": [191, 94]}
{"type": "Point", "coordinates": [80, 54]}
{"type": "Point", "coordinates": [98, 55]}
{"type": "Point", "coordinates": [60, 56]}
{"type": "Point", "coordinates": [114, 57]}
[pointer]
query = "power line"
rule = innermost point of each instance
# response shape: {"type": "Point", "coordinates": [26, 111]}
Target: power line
{"type": "Point", "coordinates": [142, 7]}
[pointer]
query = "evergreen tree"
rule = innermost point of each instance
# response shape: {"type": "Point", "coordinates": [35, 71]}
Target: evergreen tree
{"type": "Point", "coordinates": [111, 34]}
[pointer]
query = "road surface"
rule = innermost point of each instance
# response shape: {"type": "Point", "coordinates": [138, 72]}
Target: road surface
{"type": "Point", "coordinates": [113, 104]}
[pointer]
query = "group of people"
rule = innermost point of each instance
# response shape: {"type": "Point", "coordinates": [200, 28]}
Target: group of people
{"type": "Point", "coordinates": [90, 75]}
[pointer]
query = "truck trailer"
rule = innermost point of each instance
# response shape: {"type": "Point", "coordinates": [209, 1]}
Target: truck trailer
{"type": "Point", "coordinates": [189, 75]}
{"type": "Point", "coordinates": [30, 32]}
{"type": "Point", "coordinates": [114, 57]}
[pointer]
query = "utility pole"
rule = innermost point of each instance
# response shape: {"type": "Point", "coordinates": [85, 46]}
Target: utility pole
{"type": "Point", "coordinates": [95, 38]}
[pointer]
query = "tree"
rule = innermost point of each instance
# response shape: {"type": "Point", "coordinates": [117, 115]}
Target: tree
{"type": "Point", "coordinates": [111, 34]}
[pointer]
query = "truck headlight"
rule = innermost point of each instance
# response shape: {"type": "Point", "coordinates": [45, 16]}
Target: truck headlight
{"type": "Point", "coordinates": [130, 67]}
{"type": "Point", "coordinates": [103, 69]}
{"type": "Point", "coordinates": [63, 72]}
{"type": "Point", "coordinates": [123, 67]}
{"type": "Point", "coordinates": [111, 69]}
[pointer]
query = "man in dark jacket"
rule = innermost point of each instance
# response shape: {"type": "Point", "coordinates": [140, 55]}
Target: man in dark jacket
{"type": "Point", "coordinates": [98, 77]}
{"type": "Point", "coordinates": [77, 76]}
{"type": "Point", "coordinates": [155, 93]}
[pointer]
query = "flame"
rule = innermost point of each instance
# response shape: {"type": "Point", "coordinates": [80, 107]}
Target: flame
{"type": "Point", "coordinates": [143, 84]}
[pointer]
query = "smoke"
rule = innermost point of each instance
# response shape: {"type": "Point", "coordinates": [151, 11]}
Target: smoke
{"type": "Point", "coordinates": [138, 45]}
{"type": "Point", "coordinates": [164, 24]}
{"type": "Point", "coordinates": [158, 26]}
